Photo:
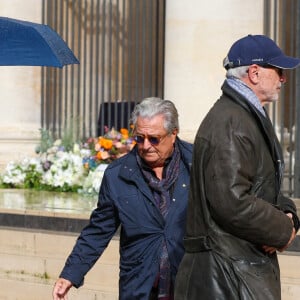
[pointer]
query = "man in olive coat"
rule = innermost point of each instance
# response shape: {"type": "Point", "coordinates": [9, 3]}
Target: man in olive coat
{"type": "Point", "coordinates": [237, 217]}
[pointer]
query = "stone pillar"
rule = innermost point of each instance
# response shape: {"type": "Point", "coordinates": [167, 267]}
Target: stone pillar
{"type": "Point", "coordinates": [20, 93]}
{"type": "Point", "coordinates": [198, 37]}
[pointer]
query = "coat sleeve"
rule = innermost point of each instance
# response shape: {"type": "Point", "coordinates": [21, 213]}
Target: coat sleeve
{"type": "Point", "coordinates": [288, 206]}
{"type": "Point", "coordinates": [235, 192]}
{"type": "Point", "coordinates": [93, 239]}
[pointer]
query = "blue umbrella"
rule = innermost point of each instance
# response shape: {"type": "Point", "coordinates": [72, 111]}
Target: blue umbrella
{"type": "Point", "coordinates": [25, 43]}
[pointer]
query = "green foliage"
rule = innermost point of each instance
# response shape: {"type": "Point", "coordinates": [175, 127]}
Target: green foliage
{"type": "Point", "coordinates": [68, 138]}
{"type": "Point", "coordinates": [46, 141]}
{"type": "Point", "coordinates": [32, 178]}
{"type": "Point", "coordinates": [70, 134]}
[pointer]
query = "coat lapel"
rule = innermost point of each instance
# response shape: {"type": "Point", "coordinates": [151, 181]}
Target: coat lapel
{"type": "Point", "coordinates": [131, 172]}
{"type": "Point", "coordinates": [266, 128]}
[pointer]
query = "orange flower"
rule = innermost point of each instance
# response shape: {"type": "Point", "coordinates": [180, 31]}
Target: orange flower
{"type": "Point", "coordinates": [106, 143]}
{"type": "Point", "coordinates": [110, 146]}
{"type": "Point", "coordinates": [125, 133]}
{"type": "Point", "coordinates": [98, 155]}
{"type": "Point", "coordinates": [102, 155]}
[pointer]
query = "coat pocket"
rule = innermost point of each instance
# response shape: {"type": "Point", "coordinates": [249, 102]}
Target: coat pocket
{"type": "Point", "coordinates": [130, 270]}
{"type": "Point", "coordinates": [257, 278]}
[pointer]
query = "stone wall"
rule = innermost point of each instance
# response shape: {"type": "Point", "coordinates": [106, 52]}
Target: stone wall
{"type": "Point", "coordinates": [30, 262]}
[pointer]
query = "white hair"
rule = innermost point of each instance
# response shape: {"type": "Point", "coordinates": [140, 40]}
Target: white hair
{"type": "Point", "coordinates": [238, 72]}
{"type": "Point", "coordinates": [153, 106]}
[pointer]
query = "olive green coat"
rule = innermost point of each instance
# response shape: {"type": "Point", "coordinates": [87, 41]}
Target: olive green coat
{"type": "Point", "coordinates": [235, 207]}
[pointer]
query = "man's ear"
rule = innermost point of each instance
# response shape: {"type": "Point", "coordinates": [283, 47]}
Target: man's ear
{"type": "Point", "coordinates": [175, 131]}
{"type": "Point", "coordinates": [253, 73]}
{"type": "Point", "coordinates": [174, 134]}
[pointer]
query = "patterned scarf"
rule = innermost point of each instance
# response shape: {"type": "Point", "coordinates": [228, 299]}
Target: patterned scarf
{"type": "Point", "coordinates": [162, 192]}
{"type": "Point", "coordinates": [239, 86]}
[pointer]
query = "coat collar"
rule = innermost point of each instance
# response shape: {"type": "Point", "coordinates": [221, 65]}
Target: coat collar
{"type": "Point", "coordinates": [264, 124]}
{"type": "Point", "coordinates": [130, 170]}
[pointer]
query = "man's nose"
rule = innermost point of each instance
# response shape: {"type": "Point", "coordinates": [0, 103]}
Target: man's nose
{"type": "Point", "coordinates": [283, 78]}
{"type": "Point", "coordinates": [146, 143]}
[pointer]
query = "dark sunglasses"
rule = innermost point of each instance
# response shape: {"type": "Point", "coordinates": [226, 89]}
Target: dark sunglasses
{"type": "Point", "coordinates": [153, 140]}
{"type": "Point", "coordinates": [279, 71]}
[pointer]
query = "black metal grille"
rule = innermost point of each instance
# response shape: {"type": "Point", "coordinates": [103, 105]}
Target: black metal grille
{"type": "Point", "coordinates": [120, 46]}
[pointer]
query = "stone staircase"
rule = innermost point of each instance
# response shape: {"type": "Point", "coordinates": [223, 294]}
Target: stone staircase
{"type": "Point", "coordinates": [30, 262]}
{"type": "Point", "coordinates": [31, 259]}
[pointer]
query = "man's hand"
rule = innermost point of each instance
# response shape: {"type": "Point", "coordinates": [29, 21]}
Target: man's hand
{"type": "Point", "coordinates": [269, 249]}
{"type": "Point", "coordinates": [61, 289]}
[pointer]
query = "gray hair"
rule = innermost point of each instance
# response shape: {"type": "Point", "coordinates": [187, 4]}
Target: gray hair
{"type": "Point", "coordinates": [238, 72]}
{"type": "Point", "coordinates": [151, 107]}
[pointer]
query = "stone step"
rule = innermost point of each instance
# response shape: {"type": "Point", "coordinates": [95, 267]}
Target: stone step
{"type": "Point", "coordinates": [31, 261]}
{"type": "Point", "coordinates": [31, 257]}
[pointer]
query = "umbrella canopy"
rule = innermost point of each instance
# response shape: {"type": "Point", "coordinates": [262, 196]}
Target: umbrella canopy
{"type": "Point", "coordinates": [25, 43]}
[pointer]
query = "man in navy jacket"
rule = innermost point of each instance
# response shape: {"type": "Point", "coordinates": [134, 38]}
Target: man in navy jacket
{"type": "Point", "coordinates": [144, 192]}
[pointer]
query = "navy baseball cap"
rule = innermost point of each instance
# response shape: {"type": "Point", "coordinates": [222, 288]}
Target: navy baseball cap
{"type": "Point", "coordinates": [259, 50]}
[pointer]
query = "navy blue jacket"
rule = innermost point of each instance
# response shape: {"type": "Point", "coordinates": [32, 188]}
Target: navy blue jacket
{"type": "Point", "coordinates": [125, 199]}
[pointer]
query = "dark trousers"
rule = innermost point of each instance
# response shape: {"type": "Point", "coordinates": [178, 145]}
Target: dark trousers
{"type": "Point", "coordinates": [154, 294]}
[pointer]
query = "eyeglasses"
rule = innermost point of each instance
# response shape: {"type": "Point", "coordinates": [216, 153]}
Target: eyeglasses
{"type": "Point", "coordinates": [279, 71]}
{"type": "Point", "coordinates": [153, 140]}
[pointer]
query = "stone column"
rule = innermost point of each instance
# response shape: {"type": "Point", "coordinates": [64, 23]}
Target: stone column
{"type": "Point", "coordinates": [20, 93]}
{"type": "Point", "coordinates": [198, 37]}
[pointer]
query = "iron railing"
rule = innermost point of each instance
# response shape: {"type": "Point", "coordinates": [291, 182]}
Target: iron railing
{"type": "Point", "coordinates": [120, 46]}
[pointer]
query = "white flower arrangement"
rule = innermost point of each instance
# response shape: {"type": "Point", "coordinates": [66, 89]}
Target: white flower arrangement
{"type": "Point", "coordinates": [80, 169]}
